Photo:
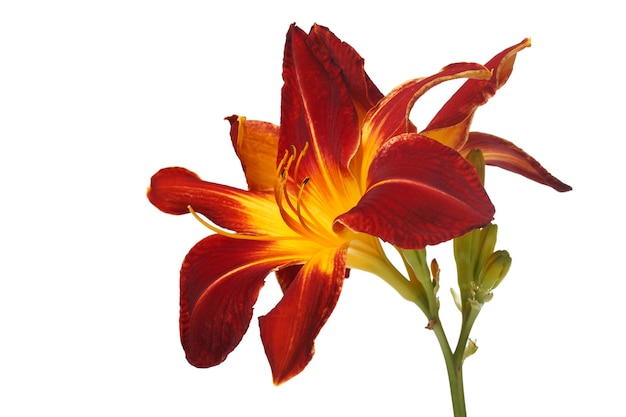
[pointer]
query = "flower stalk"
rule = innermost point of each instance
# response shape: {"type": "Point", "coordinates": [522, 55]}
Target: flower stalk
{"type": "Point", "coordinates": [454, 368]}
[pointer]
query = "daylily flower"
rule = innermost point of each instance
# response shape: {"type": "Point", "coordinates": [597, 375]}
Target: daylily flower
{"type": "Point", "coordinates": [322, 191]}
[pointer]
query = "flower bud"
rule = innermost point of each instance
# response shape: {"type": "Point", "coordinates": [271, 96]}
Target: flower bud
{"type": "Point", "coordinates": [476, 158]}
{"type": "Point", "coordinates": [486, 246]}
{"type": "Point", "coordinates": [494, 270]}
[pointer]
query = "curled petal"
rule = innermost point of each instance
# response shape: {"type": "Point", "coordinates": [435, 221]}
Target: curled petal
{"type": "Point", "coordinates": [219, 283]}
{"type": "Point", "coordinates": [451, 124]}
{"type": "Point", "coordinates": [289, 330]}
{"type": "Point", "coordinates": [390, 117]}
{"type": "Point", "coordinates": [504, 154]}
{"type": "Point", "coordinates": [361, 88]}
{"type": "Point", "coordinates": [256, 145]}
{"type": "Point", "coordinates": [419, 193]}
{"type": "Point", "coordinates": [172, 190]}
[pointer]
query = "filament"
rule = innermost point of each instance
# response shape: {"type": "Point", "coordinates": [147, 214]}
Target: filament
{"type": "Point", "coordinates": [234, 235]}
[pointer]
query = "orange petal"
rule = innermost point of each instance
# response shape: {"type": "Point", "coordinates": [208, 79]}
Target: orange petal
{"type": "Point", "coordinates": [289, 330]}
{"type": "Point", "coordinates": [256, 145]}
{"type": "Point", "coordinates": [504, 154]}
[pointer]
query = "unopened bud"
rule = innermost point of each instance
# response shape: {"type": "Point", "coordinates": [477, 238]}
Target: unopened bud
{"type": "Point", "coordinates": [494, 271]}
{"type": "Point", "coordinates": [476, 158]}
{"type": "Point", "coordinates": [487, 244]}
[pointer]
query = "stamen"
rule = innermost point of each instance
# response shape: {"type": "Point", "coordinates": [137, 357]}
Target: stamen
{"type": "Point", "coordinates": [299, 205]}
{"type": "Point", "coordinates": [299, 200]}
{"type": "Point", "coordinates": [237, 235]}
{"type": "Point", "coordinates": [295, 170]}
{"type": "Point", "coordinates": [288, 218]}
{"type": "Point", "coordinates": [280, 167]}
{"type": "Point", "coordinates": [311, 219]}
{"type": "Point", "coordinates": [295, 213]}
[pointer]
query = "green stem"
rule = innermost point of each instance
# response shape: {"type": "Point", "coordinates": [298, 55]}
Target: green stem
{"type": "Point", "coordinates": [369, 256]}
{"type": "Point", "coordinates": [466, 328]}
{"type": "Point", "coordinates": [454, 367]}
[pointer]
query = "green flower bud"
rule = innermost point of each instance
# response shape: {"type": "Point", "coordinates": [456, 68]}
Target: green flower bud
{"type": "Point", "coordinates": [486, 246]}
{"type": "Point", "coordinates": [476, 158]}
{"type": "Point", "coordinates": [494, 271]}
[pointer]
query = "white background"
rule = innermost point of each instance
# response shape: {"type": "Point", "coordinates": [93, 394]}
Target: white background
{"type": "Point", "coordinates": [97, 96]}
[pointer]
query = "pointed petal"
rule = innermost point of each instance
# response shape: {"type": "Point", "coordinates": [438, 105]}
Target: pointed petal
{"type": "Point", "coordinates": [419, 193]}
{"type": "Point", "coordinates": [317, 112]}
{"type": "Point", "coordinates": [172, 190]}
{"type": "Point", "coordinates": [256, 145]}
{"type": "Point", "coordinates": [504, 154]}
{"type": "Point", "coordinates": [451, 124]}
{"type": "Point", "coordinates": [361, 88]}
{"type": "Point", "coordinates": [390, 117]}
{"type": "Point", "coordinates": [219, 283]}
{"type": "Point", "coordinates": [288, 331]}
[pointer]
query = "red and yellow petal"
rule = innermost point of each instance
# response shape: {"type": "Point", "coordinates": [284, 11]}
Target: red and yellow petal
{"type": "Point", "coordinates": [451, 124]}
{"type": "Point", "coordinates": [172, 190]}
{"type": "Point", "coordinates": [390, 117]}
{"type": "Point", "coordinates": [317, 114]}
{"type": "Point", "coordinates": [256, 145]}
{"type": "Point", "coordinates": [419, 193]}
{"type": "Point", "coordinates": [219, 283]}
{"type": "Point", "coordinates": [289, 330]}
{"type": "Point", "coordinates": [504, 154]}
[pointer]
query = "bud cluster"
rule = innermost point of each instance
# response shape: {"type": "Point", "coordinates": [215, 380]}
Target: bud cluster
{"type": "Point", "coordinates": [480, 267]}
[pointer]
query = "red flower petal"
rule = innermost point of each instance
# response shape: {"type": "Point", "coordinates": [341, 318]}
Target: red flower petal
{"type": "Point", "coordinates": [285, 276]}
{"type": "Point", "coordinates": [420, 193]}
{"type": "Point", "coordinates": [451, 124]}
{"type": "Point", "coordinates": [390, 117]}
{"type": "Point", "coordinates": [362, 90]}
{"type": "Point", "coordinates": [219, 283]}
{"type": "Point", "coordinates": [317, 112]}
{"type": "Point", "coordinates": [504, 154]}
{"type": "Point", "coordinates": [173, 189]}
{"type": "Point", "coordinates": [289, 330]}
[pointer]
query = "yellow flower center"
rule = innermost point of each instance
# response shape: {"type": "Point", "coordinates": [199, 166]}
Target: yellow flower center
{"type": "Point", "coordinates": [290, 198]}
